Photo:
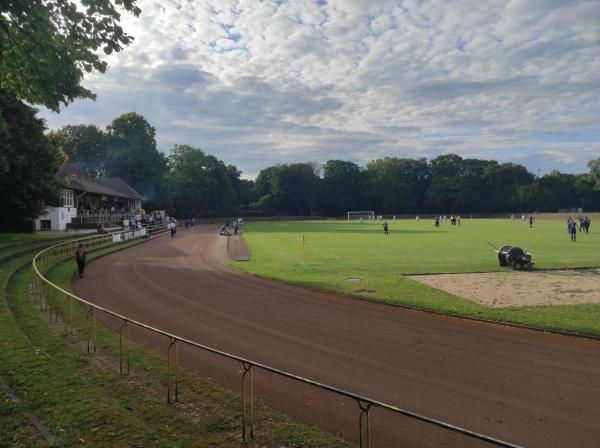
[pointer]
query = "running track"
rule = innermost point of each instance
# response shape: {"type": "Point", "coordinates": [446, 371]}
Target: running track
{"type": "Point", "coordinates": [526, 387]}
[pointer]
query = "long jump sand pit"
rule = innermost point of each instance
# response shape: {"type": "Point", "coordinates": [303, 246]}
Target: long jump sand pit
{"type": "Point", "coordinates": [520, 288]}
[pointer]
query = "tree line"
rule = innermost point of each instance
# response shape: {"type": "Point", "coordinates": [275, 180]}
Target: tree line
{"type": "Point", "coordinates": [189, 182]}
{"type": "Point", "coordinates": [47, 47]}
{"type": "Point", "coordinates": [444, 184]}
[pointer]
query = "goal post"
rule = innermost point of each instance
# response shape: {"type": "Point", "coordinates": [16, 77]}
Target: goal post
{"type": "Point", "coordinates": [364, 214]}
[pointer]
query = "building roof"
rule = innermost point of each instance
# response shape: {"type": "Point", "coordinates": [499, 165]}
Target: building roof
{"type": "Point", "coordinates": [77, 179]}
{"type": "Point", "coordinates": [118, 184]}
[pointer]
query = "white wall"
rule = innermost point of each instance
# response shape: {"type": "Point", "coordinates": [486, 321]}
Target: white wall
{"type": "Point", "coordinates": [58, 216]}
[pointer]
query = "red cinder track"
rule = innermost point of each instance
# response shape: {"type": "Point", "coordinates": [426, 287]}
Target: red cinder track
{"type": "Point", "coordinates": [525, 387]}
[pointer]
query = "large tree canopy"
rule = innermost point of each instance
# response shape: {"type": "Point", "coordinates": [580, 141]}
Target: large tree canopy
{"type": "Point", "coordinates": [46, 46]}
{"type": "Point", "coordinates": [29, 162]}
{"type": "Point", "coordinates": [199, 183]}
{"type": "Point", "coordinates": [133, 156]}
{"type": "Point", "coordinates": [86, 145]}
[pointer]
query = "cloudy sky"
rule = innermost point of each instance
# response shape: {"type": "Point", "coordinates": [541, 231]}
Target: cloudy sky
{"type": "Point", "coordinates": [263, 82]}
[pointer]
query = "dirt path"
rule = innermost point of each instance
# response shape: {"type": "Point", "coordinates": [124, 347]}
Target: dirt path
{"type": "Point", "coordinates": [530, 388]}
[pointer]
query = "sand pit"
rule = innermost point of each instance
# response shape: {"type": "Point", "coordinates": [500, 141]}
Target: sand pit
{"type": "Point", "coordinates": [512, 288]}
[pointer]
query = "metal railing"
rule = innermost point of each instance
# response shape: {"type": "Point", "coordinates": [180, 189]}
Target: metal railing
{"type": "Point", "coordinates": [43, 288]}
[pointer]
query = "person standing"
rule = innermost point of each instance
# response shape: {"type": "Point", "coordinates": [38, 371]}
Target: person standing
{"type": "Point", "coordinates": [530, 222]}
{"type": "Point", "coordinates": [385, 228]}
{"type": "Point", "coordinates": [586, 224]}
{"type": "Point", "coordinates": [573, 231]}
{"type": "Point", "coordinates": [80, 254]}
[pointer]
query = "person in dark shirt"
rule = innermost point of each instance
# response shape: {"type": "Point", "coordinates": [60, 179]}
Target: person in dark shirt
{"type": "Point", "coordinates": [80, 254]}
{"type": "Point", "coordinates": [385, 228]}
{"type": "Point", "coordinates": [573, 231]}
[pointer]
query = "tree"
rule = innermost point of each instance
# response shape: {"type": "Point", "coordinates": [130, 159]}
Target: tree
{"type": "Point", "coordinates": [133, 156]}
{"type": "Point", "coordinates": [391, 185]}
{"type": "Point", "coordinates": [29, 163]}
{"type": "Point", "coordinates": [594, 166]}
{"type": "Point", "coordinates": [46, 46]}
{"type": "Point", "coordinates": [86, 145]}
{"type": "Point", "coordinates": [502, 181]}
{"type": "Point", "coordinates": [443, 192]}
{"type": "Point", "coordinates": [200, 183]}
{"type": "Point", "coordinates": [288, 189]}
{"type": "Point", "coordinates": [342, 185]}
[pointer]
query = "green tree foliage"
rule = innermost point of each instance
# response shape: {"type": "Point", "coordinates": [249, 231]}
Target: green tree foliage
{"type": "Point", "coordinates": [445, 184]}
{"type": "Point", "coordinates": [394, 185]}
{"type": "Point", "coordinates": [288, 189]}
{"type": "Point", "coordinates": [342, 187]}
{"type": "Point", "coordinates": [86, 145]}
{"type": "Point", "coordinates": [46, 46]}
{"type": "Point", "coordinates": [29, 162]}
{"type": "Point", "coordinates": [200, 184]}
{"type": "Point", "coordinates": [594, 175]}
{"type": "Point", "coordinates": [133, 156]}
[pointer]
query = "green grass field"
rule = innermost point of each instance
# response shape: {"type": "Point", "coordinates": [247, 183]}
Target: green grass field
{"type": "Point", "coordinates": [338, 250]}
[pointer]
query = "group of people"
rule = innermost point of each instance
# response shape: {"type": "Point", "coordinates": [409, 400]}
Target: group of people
{"type": "Point", "coordinates": [531, 219]}
{"type": "Point", "coordinates": [584, 226]}
{"type": "Point", "coordinates": [438, 220]}
{"type": "Point", "coordinates": [190, 223]}
{"type": "Point", "coordinates": [231, 226]}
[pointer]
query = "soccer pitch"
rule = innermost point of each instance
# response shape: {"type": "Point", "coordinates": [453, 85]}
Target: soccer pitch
{"type": "Point", "coordinates": [359, 260]}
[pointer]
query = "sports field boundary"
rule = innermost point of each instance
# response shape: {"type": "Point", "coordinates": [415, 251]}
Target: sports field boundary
{"type": "Point", "coordinates": [44, 288]}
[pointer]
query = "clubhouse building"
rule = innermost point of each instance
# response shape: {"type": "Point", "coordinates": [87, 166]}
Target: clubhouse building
{"type": "Point", "coordinates": [87, 202]}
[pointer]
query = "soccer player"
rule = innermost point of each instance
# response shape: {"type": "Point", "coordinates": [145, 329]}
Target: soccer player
{"type": "Point", "coordinates": [573, 230]}
{"type": "Point", "coordinates": [385, 227]}
{"type": "Point", "coordinates": [586, 224]}
{"type": "Point", "coordinates": [530, 221]}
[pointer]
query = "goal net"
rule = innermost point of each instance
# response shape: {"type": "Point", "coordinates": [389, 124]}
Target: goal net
{"type": "Point", "coordinates": [363, 214]}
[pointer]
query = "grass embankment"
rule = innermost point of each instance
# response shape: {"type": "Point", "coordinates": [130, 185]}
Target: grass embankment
{"type": "Point", "coordinates": [82, 400]}
{"type": "Point", "coordinates": [338, 252]}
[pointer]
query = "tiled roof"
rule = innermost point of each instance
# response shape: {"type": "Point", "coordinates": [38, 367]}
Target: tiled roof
{"type": "Point", "coordinates": [74, 177]}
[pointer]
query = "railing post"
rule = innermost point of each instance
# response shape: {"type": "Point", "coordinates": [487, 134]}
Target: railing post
{"type": "Point", "coordinates": [91, 333]}
{"type": "Point", "coordinates": [364, 425]}
{"type": "Point", "coordinates": [247, 372]}
{"type": "Point", "coordinates": [121, 354]}
{"type": "Point", "coordinates": [94, 328]}
{"type": "Point", "coordinates": [66, 318]}
{"type": "Point", "coordinates": [176, 371]}
{"type": "Point", "coordinates": [173, 345]}
{"type": "Point", "coordinates": [71, 315]}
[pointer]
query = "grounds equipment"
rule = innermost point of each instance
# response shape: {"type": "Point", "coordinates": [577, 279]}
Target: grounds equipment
{"type": "Point", "coordinates": [515, 257]}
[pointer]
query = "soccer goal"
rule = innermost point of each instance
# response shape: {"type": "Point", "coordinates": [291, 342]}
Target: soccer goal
{"type": "Point", "coordinates": [364, 214]}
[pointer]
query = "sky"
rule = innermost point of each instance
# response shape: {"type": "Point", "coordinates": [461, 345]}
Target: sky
{"type": "Point", "coordinates": [257, 83]}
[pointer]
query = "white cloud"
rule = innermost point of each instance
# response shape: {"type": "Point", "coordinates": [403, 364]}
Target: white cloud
{"type": "Point", "coordinates": [259, 82]}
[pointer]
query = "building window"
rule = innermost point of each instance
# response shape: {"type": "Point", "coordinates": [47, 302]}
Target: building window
{"type": "Point", "coordinates": [45, 224]}
{"type": "Point", "coordinates": [68, 200]}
